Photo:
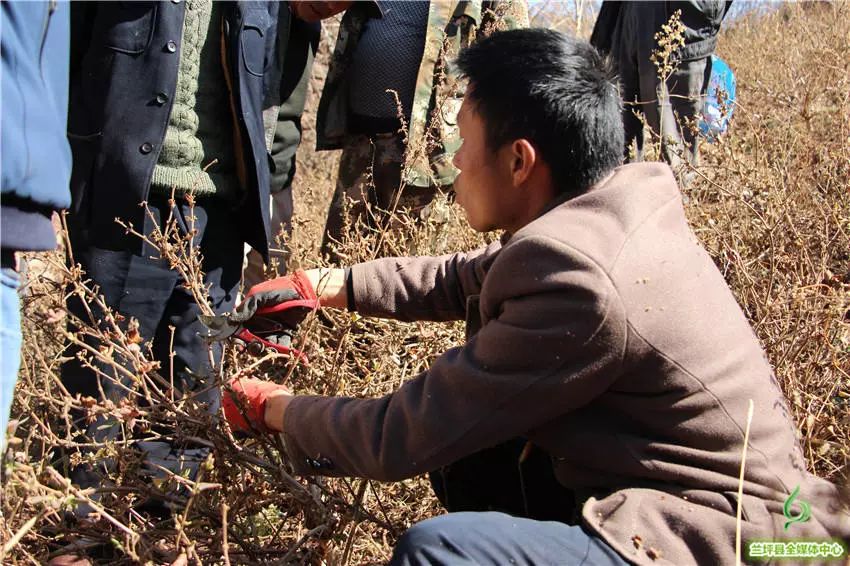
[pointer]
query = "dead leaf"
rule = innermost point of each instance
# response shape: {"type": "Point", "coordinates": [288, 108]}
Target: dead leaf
{"type": "Point", "coordinates": [637, 541]}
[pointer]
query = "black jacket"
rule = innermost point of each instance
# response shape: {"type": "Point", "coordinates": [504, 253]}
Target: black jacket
{"type": "Point", "coordinates": [124, 60]}
{"type": "Point", "coordinates": [701, 18]}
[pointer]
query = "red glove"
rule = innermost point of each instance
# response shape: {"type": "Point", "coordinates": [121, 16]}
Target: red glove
{"type": "Point", "coordinates": [273, 309]}
{"type": "Point", "coordinates": [280, 294]}
{"type": "Point", "coordinates": [315, 10]}
{"type": "Point", "coordinates": [248, 396]}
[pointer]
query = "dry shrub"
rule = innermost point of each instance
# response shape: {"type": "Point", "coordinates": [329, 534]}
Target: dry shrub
{"type": "Point", "coordinates": [770, 201]}
{"type": "Point", "coordinates": [244, 485]}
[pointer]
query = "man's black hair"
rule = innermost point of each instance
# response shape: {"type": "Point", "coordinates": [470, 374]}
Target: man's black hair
{"type": "Point", "coordinates": [554, 90]}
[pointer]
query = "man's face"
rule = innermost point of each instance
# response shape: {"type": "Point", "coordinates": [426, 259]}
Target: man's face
{"type": "Point", "coordinates": [483, 186]}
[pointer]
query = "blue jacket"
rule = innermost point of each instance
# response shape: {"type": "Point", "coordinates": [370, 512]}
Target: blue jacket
{"type": "Point", "coordinates": [124, 59]}
{"type": "Point", "coordinates": [36, 160]}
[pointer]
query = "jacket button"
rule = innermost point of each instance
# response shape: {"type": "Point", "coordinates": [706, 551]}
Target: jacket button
{"type": "Point", "coordinates": [161, 98]}
{"type": "Point", "coordinates": [146, 148]}
{"type": "Point", "coordinates": [171, 46]}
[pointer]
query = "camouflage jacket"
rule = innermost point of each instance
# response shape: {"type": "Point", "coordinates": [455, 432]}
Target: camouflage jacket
{"type": "Point", "coordinates": [432, 132]}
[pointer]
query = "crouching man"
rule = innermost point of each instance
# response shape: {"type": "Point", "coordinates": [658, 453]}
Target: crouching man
{"type": "Point", "coordinates": [597, 412]}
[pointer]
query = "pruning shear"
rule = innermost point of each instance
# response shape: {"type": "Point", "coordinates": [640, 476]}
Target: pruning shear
{"type": "Point", "coordinates": [265, 333]}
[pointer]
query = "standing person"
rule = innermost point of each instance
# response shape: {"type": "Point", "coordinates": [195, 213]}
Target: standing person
{"type": "Point", "coordinates": [598, 411]}
{"type": "Point", "coordinates": [297, 43]}
{"type": "Point", "coordinates": [626, 31]}
{"type": "Point", "coordinates": [403, 47]}
{"type": "Point", "coordinates": [165, 96]}
{"type": "Point", "coordinates": [36, 159]}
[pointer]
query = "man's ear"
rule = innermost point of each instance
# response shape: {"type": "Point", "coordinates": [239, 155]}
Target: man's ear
{"type": "Point", "coordinates": [523, 160]}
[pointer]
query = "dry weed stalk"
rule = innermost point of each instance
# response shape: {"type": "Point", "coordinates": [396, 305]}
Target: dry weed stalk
{"type": "Point", "coordinates": [670, 39]}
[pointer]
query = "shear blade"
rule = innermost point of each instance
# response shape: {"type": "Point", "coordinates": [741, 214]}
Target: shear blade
{"type": "Point", "coordinates": [218, 327]}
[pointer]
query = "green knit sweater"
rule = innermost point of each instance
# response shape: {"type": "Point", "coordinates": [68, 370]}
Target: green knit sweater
{"type": "Point", "coordinates": [200, 126]}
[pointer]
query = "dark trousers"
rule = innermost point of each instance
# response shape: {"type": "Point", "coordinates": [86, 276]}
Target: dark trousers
{"type": "Point", "coordinates": [506, 507]}
{"type": "Point", "coordinates": [136, 284]}
{"type": "Point", "coordinates": [513, 478]}
{"type": "Point", "coordinates": [668, 106]}
{"type": "Point", "coordinates": [490, 538]}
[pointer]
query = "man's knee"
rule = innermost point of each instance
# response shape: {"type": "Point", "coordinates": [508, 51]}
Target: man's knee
{"type": "Point", "coordinates": [418, 542]}
{"type": "Point", "coordinates": [433, 541]}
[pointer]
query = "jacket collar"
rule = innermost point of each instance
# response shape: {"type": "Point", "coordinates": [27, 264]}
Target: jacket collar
{"type": "Point", "coordinates": [560, 199]}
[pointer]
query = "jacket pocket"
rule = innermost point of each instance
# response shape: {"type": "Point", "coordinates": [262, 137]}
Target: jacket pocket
{"type": "Point", "coordinates": [255, 26]}
{"type": "Point", "coordinates": [126, 27]}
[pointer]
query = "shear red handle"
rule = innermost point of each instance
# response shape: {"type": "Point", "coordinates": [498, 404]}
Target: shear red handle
{"type": "Point", "coordinates": [250, 339]}
{"type": "Point", "coordinates": [311, 304]}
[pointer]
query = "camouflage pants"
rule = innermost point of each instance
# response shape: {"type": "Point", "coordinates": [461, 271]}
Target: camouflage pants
{"type": "Point", "coordinates": [369, 186]}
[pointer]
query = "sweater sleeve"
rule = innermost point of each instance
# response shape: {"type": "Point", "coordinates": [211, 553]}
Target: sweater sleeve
{"type": "Point", "coordinates": [556, 344]}
{"type": "Point", "coordinates": [421, 288]}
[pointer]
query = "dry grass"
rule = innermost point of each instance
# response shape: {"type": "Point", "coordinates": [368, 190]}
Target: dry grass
{"type": "Point", "coordinates": [772, 204]}
{"type": "Point", "coordinates": [771, 201]}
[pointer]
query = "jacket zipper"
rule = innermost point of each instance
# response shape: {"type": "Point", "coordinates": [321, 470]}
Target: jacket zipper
{"type": "Point", "coordinates": [51, 7]}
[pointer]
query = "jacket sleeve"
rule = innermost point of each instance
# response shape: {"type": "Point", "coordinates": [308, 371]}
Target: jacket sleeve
{"type": "Point", "coordinates": [556, 343]}
{"type": "Point", "coordinates": [606, 22]}
{"type": "Point", "coordinates": [701, 19]}
{"type": "Point", "coordinates": [420, 288]}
